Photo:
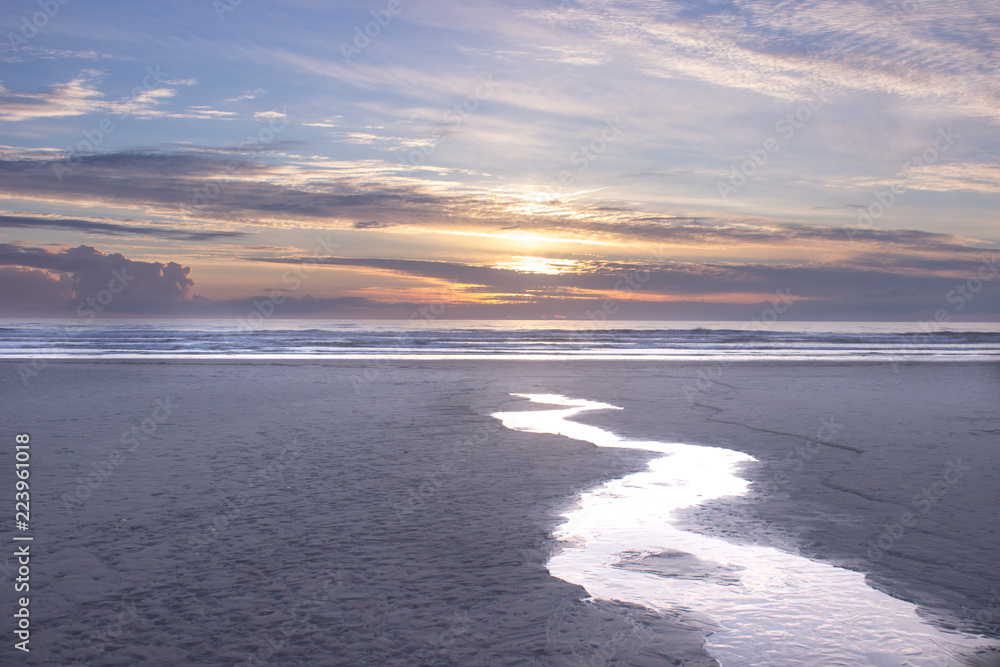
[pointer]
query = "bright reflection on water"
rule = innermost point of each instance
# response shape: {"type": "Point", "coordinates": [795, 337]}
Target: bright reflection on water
{"type": "Point", "coordinates": [774, 608]}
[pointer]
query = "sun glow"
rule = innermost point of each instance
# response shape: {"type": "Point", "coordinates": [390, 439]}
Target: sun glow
{"type": "Point", "coordinates": [543, 265]}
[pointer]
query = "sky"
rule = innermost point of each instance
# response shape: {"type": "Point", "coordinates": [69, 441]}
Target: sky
{"type": "Point", "coordinates": [571, 159]}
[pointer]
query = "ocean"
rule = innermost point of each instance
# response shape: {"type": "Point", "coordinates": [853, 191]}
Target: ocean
{"type": "Point", "coordinates": [478, 339]}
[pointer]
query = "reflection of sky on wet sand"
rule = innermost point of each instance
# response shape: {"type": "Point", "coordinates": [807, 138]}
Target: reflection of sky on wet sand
{"type": "Point", "coordinates": [773, 607]}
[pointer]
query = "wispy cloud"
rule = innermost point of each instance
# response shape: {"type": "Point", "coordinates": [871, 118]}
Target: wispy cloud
{"type": "Point", "coordinates": [26, 52]}
{"type": "Point", "coordinates": [964, 177]}
{"type": "Point", "coordinates": [76, 97]}
{"type": "Point", "coordinates": [932, 52]}
{"type": "Point", "coordinates": [113, 228]}
{"type": "Point", "coordinates": [80, 96]}
{"type": "Point", "coordinates": [204, 113]}
{"type": "Point", "coordinates": [674, 281]}
{"type": "Point", "coordinates": [370, 194]}
{"type": "Point", "coordinates": [247, 96]}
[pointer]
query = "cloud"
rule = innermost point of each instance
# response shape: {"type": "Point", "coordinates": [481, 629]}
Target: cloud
{"type": "Point", "coordinates": [24, 51]}
{"type": "Point", "coordinates": [968, 177]}
{"type": "Point", "coordinates": [205, 113]}
{"type": "Point", "coordinates": [929, 51]}
{"type": "Point", "coordinates": [29, 291]}
{"type": "Point", "coordinates": [677, 280]}
{"type": "Point", "coordinates": [80, 96]}
{"type": "Point", "coordinates": [331, 194]}
{"type": "Point", "coordinates": [77, 97]}
{"type": "Point", "coordinates": [269, 114]}
{"type": "Point", "coordinates": [36, 280]}
{"type": "Point", "coordinates": [137, 286]}
{"type": "Point", "coordinates": [112, 228]}
{"type": "Point", "coordinates": [215, 152]}
{"type": "Point", "coordinates": [246, 96]}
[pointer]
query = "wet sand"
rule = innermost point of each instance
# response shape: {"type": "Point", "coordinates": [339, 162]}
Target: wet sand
{"type": "Point", "coordinates": [374, 513]}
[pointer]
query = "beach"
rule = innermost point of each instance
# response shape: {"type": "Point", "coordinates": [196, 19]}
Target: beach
{"type": "Point", "coordinates": [556, 333]}
{"type": "Point", "coordinates": [375, 512]}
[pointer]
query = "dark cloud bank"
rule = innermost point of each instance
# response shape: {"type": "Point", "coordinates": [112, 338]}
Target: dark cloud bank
{"type": "Point", "coordinates": [84, 281]}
